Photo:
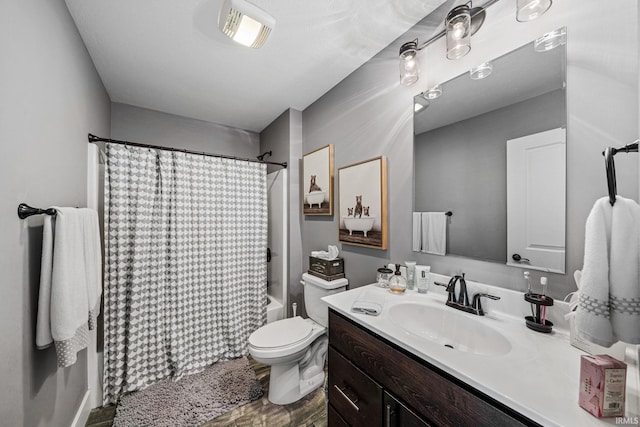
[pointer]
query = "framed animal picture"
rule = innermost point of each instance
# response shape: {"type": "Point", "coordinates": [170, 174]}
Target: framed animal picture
{"type": "Point", "coordinates": [363, 203]}
{"type": "Point", "coordinates": [317, 181]}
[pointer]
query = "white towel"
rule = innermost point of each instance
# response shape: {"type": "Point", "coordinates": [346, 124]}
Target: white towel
{"type": "Point", "coordinates": [609, 295]}
{"type": "Point", "coordinates": [417, 232]}
{"type": "Point", "coordinates": [434, 233]}
{"type": "Point", "coordinates": [70, 282]}
{"type": "Point", "coordinates": [369, 301]}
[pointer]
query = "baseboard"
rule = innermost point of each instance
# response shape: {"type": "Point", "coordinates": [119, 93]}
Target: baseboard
{"type": "Point", "coordinates": [82, 414]}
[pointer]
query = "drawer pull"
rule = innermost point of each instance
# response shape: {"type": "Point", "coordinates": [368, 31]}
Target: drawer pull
{"type": "Point", "coordinates": [353, 404]}
{"type": "Point", "coordinates": [388, 416]}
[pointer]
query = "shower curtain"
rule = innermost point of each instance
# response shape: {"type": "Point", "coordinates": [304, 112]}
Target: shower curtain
{"type": "Point", "coordinates": [185, 268]}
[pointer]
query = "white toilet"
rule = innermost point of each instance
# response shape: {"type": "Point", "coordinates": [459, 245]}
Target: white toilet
{"type": "Point", "coordinates": [296, 348]}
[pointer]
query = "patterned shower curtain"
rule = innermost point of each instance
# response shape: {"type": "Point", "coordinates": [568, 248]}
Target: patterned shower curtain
{"type": "Point", "coordinates": [185, 272]}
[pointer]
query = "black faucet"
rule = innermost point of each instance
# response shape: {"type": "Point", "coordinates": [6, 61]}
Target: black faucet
{"type": "Point", "coordinates": [476, 302]}
{"type": "Point", "coordinates": [462, 302]}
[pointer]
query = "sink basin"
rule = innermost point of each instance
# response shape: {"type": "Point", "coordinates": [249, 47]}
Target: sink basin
{"type": "Point", "coordinates": [449, 328]}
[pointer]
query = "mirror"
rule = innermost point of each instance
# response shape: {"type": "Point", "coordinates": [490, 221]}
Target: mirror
{"type": "Point", "coordinates": [492, 152]}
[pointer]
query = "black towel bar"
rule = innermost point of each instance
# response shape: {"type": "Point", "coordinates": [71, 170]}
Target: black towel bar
{"type": "Point", "coordinates": [25, 211]}
{"type": "Point", "coordinates": [611, 167]}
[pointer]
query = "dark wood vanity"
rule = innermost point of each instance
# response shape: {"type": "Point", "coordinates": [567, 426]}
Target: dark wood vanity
{"type": "Point", "coordinates": [373, 382]}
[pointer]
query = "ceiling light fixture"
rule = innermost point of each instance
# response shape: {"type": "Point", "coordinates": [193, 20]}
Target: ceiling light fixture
{"type": "Point", "coordinates": [528, 10]}
{"type": "Point", "coordinates": [461, 23]}
{"type": "Point", "coordinates": [550, 40]}
{"type": "Point", "coordinates": [245, 23]}
{"type": "Point", "coordinates": [481, 71]}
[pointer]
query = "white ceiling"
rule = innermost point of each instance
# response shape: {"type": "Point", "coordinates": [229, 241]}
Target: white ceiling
{"type": "Point", "coordinates": [168, 55]}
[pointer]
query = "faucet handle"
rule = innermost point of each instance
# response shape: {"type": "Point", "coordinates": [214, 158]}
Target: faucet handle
{"type": "Point", "coordinates": [477, 306]}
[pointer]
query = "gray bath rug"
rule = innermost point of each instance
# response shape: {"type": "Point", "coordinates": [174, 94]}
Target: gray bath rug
{"type": "Point", "coordinates": [192, 400]}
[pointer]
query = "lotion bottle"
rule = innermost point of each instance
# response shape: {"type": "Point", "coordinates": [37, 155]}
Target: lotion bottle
{"type": "Point", "coordinates": [422, 278]}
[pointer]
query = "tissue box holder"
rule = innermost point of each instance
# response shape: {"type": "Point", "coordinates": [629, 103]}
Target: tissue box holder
{"type": "Point", "coordinates": [602, 385]}
{"type": "Point", "coordinates": [326, 269]}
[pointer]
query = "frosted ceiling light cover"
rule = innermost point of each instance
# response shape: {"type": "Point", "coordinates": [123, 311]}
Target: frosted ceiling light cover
{"type": "Point", "coordinates": [245, 23]}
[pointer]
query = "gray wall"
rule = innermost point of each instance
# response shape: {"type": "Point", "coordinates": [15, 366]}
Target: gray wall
{"type": "Point", "coordinates": [461, 168]}
{"type": "Point", "coordinates": [156, 128]}
{"type": "Point", "coordinates": [370, 114]}
{"type": "Point", "coordinates": [51, 98]}
{"type": "Point", "coordinates": [283, 137]}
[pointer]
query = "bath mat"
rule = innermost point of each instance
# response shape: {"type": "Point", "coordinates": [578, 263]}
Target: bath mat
{"type": "Point", "coordinates": [192, 400]}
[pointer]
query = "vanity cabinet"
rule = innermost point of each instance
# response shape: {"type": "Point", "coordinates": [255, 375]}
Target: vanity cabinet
{"type": "Point", "coordinates": [373, 382]}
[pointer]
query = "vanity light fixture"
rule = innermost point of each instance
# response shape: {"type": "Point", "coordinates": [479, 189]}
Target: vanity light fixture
{"type": "Point", "coordinates": [245, 23]}
{"type": "Point", "coordinates": [550, 40]}
{"type": "Point", "coordinates": [409, 71]}
{"type": "Point", "coordinates": [528, 10]}
{"type": "Point", "coordinates": [458, 29]}
{"type": "Point", "coordinates": [461, 23]}
{"type": "Point", "coordinates": [433, 93]}
{"type": "Point", "coordinates": [481, 71]}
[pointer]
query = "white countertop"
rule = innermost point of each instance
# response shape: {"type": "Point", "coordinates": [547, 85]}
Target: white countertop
{"type": "Point", "coordinates": [539, 377]}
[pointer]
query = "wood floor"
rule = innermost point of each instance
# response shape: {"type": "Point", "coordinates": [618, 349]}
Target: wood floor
{"type": "Point", "coordinates": [309, 411]}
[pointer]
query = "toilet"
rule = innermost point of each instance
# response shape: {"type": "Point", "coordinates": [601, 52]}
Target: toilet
{"type": "Point", "coordinates": [296, 348]}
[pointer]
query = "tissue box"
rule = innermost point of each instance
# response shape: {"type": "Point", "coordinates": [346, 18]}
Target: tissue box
{"type": "Point", "coordinates": [326, 269]}
{"type": "Point", "coordinates": [602, 385]}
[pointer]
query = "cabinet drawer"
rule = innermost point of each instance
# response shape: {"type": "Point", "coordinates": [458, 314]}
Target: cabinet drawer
{"type": "Point", "coordinates": [355, 396]}
{"type": "Point", "coordinates": [434, 395]}
{"type": "Point", "coordinates": [398, 415]}
{"type": "Point", "coordinates": [334, 419]}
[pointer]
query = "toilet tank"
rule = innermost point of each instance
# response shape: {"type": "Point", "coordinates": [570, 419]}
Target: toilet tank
{"type": "Point", "coordinates": [316, 288]}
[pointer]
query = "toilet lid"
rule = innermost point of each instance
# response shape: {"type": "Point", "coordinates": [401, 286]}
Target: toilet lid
{"type": "Point", "coordinates": [281, 333]}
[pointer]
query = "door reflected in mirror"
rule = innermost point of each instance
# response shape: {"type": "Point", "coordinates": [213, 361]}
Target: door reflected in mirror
{"type": "Point", "coordinates": [461, 164]}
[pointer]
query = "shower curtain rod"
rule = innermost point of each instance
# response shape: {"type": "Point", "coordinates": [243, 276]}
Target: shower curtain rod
{"type": "Point", "coordinates": [94, 139]}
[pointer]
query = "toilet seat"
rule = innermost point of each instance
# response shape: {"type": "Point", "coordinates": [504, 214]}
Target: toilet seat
{"type": "Point", "coordinates": [282, 333]}
{"type": "Point", "coordinates": [284, 337]}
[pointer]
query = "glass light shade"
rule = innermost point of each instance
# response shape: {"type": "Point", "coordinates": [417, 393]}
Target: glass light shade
{"type": "Point", "coordinates": [528, 10]}
{"type": "Point", "coordinates": [434, 92]}
{"type": "Point", "coordinates": [458, 29]}
{"type": "Point", "coordinates": [550, 40]}
{"type": "Point", "coordinates": [481, 71]}
{"type": "Point", "coordinates": [409, 70]}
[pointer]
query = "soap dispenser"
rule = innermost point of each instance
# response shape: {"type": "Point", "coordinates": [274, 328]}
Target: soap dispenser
{"type": "Point", "coordinates": [397, 284]}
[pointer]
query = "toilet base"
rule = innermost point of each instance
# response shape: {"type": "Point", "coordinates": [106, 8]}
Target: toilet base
{"type": "Point", "coordinates": [290, 382]}
{"type": "Point", "coordinates": [285, 385]}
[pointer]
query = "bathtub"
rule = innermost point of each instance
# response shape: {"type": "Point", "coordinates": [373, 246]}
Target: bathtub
{"type": "Point", "coordinates": [315, 198]}
{"type": "Point", "coordinates": [274, 309]}
{"type": "Point", "coordinates": [364, 224]}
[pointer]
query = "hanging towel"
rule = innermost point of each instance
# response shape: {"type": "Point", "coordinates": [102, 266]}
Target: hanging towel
{"type": "Point", "coordinates": [417, 232]}
{"type": "Point", "coordinates": [70, 282]}
{"type": "Point", "coordinates": [434, 233]}
{"type": "Point", "coordinates": [369, 301]}
{"type": "Point", "coordinates": [609, 295]}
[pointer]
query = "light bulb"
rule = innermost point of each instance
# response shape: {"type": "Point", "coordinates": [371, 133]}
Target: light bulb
{"type": "Point", "coordinates": [458, 31]}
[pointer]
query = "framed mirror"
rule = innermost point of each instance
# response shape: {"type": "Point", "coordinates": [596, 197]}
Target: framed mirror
{"type": "Point", "coordinates": [490, 147]}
